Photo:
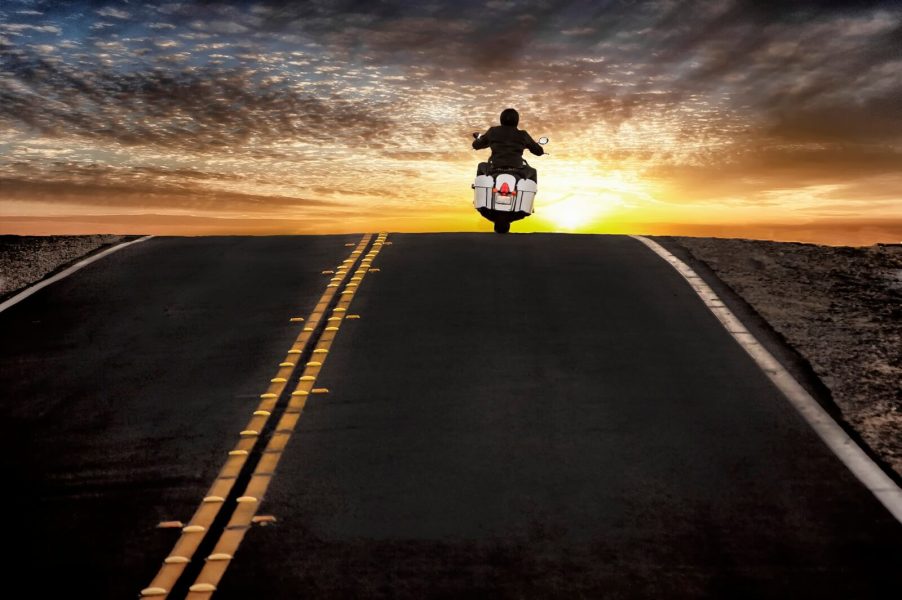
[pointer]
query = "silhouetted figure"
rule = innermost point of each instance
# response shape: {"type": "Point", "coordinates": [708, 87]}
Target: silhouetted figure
{"type": "Point", "coordinates": [507, 144]}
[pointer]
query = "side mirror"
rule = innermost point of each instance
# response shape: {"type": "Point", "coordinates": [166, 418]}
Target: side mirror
{"type": "Point", "coordinates": [475, 135]}
{"type": "Point", "coordinates": [543, 140]}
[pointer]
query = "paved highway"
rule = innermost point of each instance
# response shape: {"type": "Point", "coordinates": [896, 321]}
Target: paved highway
{"type": "Point", "coordinates": [511, 416]}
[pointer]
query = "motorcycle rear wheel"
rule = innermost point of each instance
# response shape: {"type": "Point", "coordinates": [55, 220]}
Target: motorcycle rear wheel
{"type": "Point", "coordinates": [502, 227]}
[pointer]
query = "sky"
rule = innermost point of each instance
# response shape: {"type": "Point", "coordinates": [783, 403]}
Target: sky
{"type": "Point", "coordinates": [733, 118]}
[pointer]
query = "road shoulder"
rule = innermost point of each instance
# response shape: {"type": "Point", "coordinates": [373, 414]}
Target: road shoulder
{"type": "Point", "coordinates": [793, 358]}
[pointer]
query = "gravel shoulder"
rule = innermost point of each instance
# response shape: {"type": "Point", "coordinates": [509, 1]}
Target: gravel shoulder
{"type": "Point", "coordinates": [839, 308]}
{"type": "Point", "coordinates": [25, 260]}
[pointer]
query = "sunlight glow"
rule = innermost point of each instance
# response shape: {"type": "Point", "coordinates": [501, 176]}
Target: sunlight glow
{"type": "Point", "coordinates": [581, 197]}
{"type": "Point", "coordinates": [579, 212]}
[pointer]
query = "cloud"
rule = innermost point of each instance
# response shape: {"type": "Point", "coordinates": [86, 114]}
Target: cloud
{"type": "Point", "coordinates": [749, 174]}
{"type": "Point", "coordinates": [101, 193]}
{"type": "Point", "coordinates": [208, 109]}
{"type": "Point", "coordinates": [875, 120]}
{"type": "Point", "coordinates": [21, 28]}
{"type": "Point", "coordinates": [579, 31]}
{"type": "Point", "coordinates": [114, 13]}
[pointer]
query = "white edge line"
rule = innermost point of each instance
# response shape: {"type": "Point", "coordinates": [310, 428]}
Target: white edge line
{"type": "Point", "coordinates": [850, 453]}
{"type": "Point", "coordinates": [63, 274]}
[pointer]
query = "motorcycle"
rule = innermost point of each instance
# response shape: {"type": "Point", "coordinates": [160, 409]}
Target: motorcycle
{"type": "Point", "coordinates": [505, 195]}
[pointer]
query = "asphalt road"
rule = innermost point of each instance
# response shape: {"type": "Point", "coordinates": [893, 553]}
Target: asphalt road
{"type": "Point", "coordinates": [512, 416]}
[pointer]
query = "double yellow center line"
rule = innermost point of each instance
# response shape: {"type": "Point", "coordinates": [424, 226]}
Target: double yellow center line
{"type": "Point", "coordinates": [248, 503]}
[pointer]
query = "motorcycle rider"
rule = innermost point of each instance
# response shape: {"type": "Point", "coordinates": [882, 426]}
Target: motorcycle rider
{"type": "Point", "coordinates": [507, 144]}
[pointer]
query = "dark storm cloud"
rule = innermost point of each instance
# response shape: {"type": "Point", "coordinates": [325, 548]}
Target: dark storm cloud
{"type": "Point", "coordinates": [768, 55]}
{"type": "Point", "coordinates": [759, 52]}
{"type": "Point", "coordinates": [204, 109]}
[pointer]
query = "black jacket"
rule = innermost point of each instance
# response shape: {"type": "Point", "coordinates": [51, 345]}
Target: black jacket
{"type": "Point", "coordinates": [507, 143]}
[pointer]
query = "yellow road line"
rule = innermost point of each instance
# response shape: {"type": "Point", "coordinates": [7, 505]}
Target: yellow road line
{"type": "Point", "coordinates": [218, 561]}
{"type": "Point", "coordinates": [193, 533]}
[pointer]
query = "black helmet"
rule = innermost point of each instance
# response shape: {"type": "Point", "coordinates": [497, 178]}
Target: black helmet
{"type": "Point", "coordinates": [510, 117]}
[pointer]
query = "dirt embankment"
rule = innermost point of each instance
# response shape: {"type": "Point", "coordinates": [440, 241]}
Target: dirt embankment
{"type": "Point", "coordinates": [27, 259]}
{"type": "Point", "coordinates": [840, 308]}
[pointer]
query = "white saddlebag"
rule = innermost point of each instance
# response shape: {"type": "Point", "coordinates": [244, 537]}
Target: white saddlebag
{"type": "Point", "coordinates": [526, 193]}
{"type": "Point", "coordinates": [482, 191]}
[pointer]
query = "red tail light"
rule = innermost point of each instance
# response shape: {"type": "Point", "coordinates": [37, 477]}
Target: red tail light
{"type": "Point", "coordinates": [505, 189]}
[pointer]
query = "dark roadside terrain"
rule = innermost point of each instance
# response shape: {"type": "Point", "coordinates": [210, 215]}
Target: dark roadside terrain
{"type": "Point", "coordinates": [27, 259]}
{"type": "Point", "coordinates": [512, 416]}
